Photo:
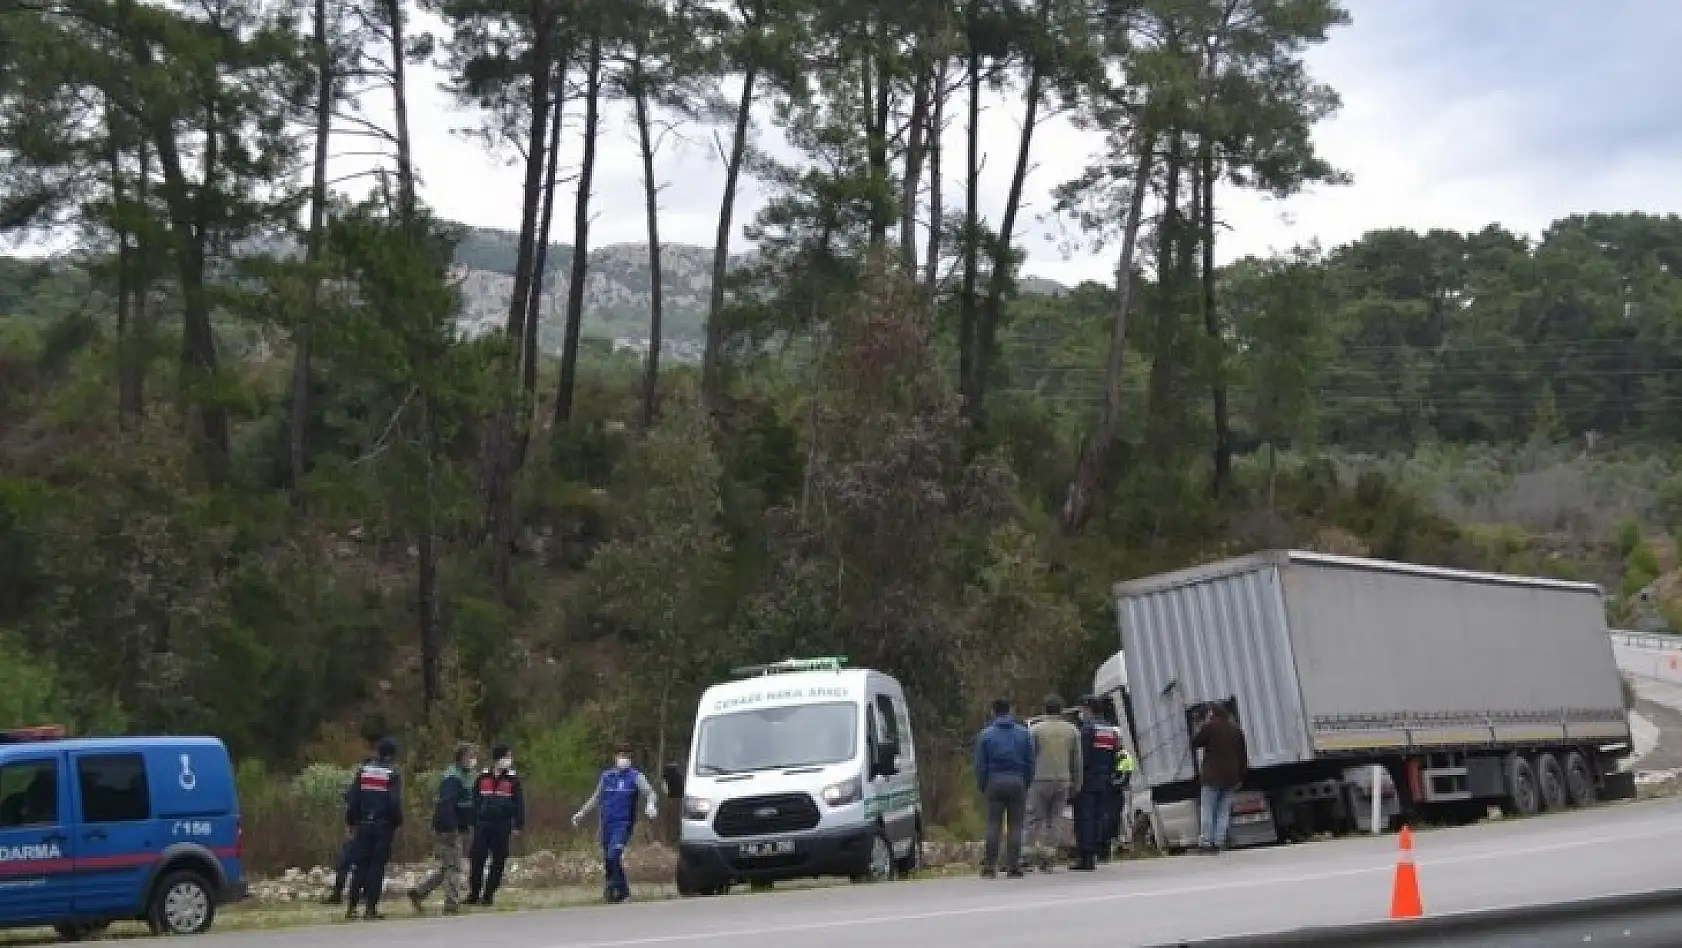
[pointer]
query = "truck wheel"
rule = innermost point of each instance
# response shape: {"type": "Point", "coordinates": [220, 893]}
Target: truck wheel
{"type": "Point", "coordinates": [1579, 780]}
{"type": "Point", "coordinates": [182, 904]}
{"type": "Point", "coordinates": [1550, 779]}
{"type": "Point", "coordinates": [80, 931]}
{"type": "Point", "coordinates": [1523, 796]}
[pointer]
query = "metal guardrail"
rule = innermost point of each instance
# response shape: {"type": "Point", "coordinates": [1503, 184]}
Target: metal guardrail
{"type": "Point", "coordinates": [1650, 640]}
{"type": "Point", "coordinates": [1638, 920]}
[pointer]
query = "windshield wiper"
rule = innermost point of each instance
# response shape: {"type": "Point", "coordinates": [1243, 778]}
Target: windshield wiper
{"type": "Point", "coordinates": [713, 770]}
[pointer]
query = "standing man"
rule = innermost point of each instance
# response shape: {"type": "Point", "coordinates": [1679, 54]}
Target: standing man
{"type": "Point", "coordinates": [1098, 743]}
{"type": "Point", "coordinates": [616, 793]}
{"type": "Point", "coordinates": [1056, 776]}
{"type": "Point", "coordinates": [452, 816]}
{"type": "Point", "coordinates": [373, 815]}
{"type": "Point", "coordinates": [347, 860]}
{"type": "Point", "coordinates": [1226, 761]}
{"type": "Point", "coordinates": [499, 806]}
{"type": "Point", "coordinates": [1004, 767]}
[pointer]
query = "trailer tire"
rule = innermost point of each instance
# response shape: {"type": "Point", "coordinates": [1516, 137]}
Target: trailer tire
{"type": "Point", "coordinates": [1579, 780]}
{"type": "Point", "coordinates": [1550, 782]}
{"type": "Point", "coordinates": [1523, 796]}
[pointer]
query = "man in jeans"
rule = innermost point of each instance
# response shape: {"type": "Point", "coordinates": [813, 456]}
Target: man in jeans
{"type": "Point", "coordinates": [1004, 767]}
{"type": "Point", "coordinates": [452, 817]}
{"type": "Point", "coordinates": [1225, 762]}
{"type": "Point", "coordinates": [1057, 766]}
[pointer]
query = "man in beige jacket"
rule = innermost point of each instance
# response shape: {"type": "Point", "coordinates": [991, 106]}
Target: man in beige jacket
{"type": "Point", "coordinates": [1057, 775]}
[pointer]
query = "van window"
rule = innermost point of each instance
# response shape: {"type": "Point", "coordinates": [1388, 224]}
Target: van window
{"type": "Point", "coordinates": [781, 738]}
{"type": "Point", "coordinates": [907, 751]}
{"type": "Point", "coordinates": [889, 726]}
{"type": "Point", "coordinates": [113, 788]}
{"type": "Point", "coordinates": [29, 793]}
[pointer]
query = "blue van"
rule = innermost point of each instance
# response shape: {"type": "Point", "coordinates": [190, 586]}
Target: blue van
{"type": "Point", "coordinates": [99, 830]}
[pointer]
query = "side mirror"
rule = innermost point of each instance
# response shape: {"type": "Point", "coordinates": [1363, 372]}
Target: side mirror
{"type": "Point", "coordinates": [672, 775]}
{"type": "Point", "coordinates": [886, 760]}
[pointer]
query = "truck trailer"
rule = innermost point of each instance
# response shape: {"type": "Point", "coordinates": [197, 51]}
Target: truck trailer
{"type": "Point", "coordinates": [1439, 689]}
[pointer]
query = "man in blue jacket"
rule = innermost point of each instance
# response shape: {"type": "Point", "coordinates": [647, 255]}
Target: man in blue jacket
{"type": "Point", "coordinates": [1004, 767]}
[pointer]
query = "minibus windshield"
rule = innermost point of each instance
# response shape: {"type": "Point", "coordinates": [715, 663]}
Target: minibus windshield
{"type": "Point", "coordinates": [777, 738]}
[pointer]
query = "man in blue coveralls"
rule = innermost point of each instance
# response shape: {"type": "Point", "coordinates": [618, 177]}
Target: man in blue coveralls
{"type": "Point", "coordinates": [617, 793]}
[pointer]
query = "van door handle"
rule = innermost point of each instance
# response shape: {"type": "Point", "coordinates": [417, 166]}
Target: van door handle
{"type": "Point", "coordinates": [94, 834]}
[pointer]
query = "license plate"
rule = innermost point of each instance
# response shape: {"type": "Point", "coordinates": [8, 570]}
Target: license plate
{"type": "Point", "coordinates": [1246, 819]}
{"type": "Point", "coordinates": [780, 847]}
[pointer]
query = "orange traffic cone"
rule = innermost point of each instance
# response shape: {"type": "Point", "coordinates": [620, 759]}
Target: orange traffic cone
{"type": "Point", "coordinates": [1404, 893]}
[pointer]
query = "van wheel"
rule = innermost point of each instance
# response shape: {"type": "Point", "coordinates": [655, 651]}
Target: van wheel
{"type": "Point", "coordinates": [183, 904]}
{"type": "Point", "coordinates": [913, 858]}
{"type": "Point", "coordinates": [880, 868]}
{"type": "Point", "coordinates": [689, 886]}
{"type": "Point", "coordinates": [81, 931]}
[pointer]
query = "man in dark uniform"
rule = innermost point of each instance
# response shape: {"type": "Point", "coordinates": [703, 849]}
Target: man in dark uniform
{"type": "Point", "coordinates": [347, 861]}
{"type": "Point", "coordinates": [500, 813]}
{"type": "Point", "coordinates": [373, 814]}
{"type": "Point", "coordinates": [1098, 744]}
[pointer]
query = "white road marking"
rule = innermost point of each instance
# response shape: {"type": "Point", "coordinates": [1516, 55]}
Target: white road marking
{"type": "Point", "coordinates": [1226, 885]}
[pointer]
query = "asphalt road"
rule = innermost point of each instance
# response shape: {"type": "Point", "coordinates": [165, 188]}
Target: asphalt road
{"type": "Point", "coordinates": [1606, 851]}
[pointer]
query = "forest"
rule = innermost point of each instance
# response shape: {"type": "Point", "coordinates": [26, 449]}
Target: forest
{"type": "Point", "coordinates": [280, 496]}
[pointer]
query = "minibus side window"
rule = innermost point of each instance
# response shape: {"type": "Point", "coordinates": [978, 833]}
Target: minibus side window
{"type": "Point", "coordinates": [890, 720]}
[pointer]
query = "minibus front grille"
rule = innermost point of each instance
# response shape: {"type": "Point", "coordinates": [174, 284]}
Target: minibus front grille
{"type": "Point", "coordinates": [767, 815]}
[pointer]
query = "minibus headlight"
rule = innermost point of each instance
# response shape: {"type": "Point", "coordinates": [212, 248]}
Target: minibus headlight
{"type": "Point", "coordinates": [697, 808]}
{"type": "Point", "coordinates": [843, 793]}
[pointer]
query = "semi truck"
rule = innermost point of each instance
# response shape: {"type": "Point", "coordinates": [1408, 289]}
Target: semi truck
{"type": "Point", "coordinates": [1369, 692]}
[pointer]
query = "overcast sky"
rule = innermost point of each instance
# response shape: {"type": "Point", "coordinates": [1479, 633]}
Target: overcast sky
{"type": "Point", "coordinates": [1456, 113]}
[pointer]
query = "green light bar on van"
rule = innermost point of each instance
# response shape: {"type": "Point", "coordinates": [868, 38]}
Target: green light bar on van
{"type": "Point", "coordinates": [829, 663]}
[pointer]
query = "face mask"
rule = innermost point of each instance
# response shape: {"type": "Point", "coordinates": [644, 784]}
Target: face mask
{"type": "Point", "coordinates": [469, 764]}
{"type": "Point", "coordinates": [623, 763]}
{"type": "Point", "coordinates": [506, 763]}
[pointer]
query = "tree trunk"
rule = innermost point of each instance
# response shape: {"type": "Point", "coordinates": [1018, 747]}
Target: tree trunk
{"type": "Point", "coordinates": [531, 332]}
{"type": "Point", "coordinates": [712, 368]}
{"type": "Point", "coordinates": [198, 339]}
{"type": "Point", "coordinates": [1095, 455]}
{"type": "Point", "coordinates": [914, 153]}
{"type": "Point", "coordinates": [937, 206]}
{"type": "Point", "coordinates": [138, 354]}
{"type": "Point", "coordinates": [967, 336]}
{"type": "Point", "coordinates": [581, 240]}
{"type": "Point", "coordinates": [508, 428]}
{"type": "Point", "coordinates": [400, 107]}
{"type": "Point", "coordinates": [651, 196]}
{"type": "Point", "coordinates": [302, 337]}
{"type": "Point", "coordinates": [128, 412]}
{"type": "Point", "coordinates": [428, 625]}
{"type": "Point", "coordinates": [877, 139]}
{"type": "Point", "coordinates": [1002, 277]}
{"type": "Point", "coordinates": [1212, 326]}
{"type": "Point", "coordinates": [199, 363]}
{"type": "Point", "coordinates": [1162, 406]}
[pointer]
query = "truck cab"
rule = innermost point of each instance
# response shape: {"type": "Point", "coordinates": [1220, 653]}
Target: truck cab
{"type": "Point", "coordinates": [99, 830]}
